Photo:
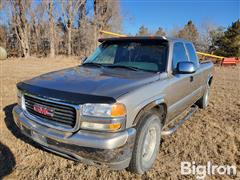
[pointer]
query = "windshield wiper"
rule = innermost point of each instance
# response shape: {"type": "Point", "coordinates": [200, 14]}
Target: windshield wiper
{"type": "Point", "coordinates": [91, 64]}
{"type": "Point", "coordinates": [129, 67]}
{"type": "Point", "coordinates": [115, 66]}
{"type": "Point", "coordinates": [122, 66]}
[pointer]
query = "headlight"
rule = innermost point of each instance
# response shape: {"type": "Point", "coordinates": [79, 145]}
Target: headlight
{"type": "Point", "coordinates": [21, 100]}
{"type": "Point", "coordinates": [23, 103]}
{"type": "Point", "coordinates": [103, 117]}
{"type": "Point", "coordinates": [104, 110]}
{"type": "Point", "coordinates": [19, 97]}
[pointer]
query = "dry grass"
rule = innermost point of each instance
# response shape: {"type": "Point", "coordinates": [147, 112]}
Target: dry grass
{"type": "Point", "coordinates": [210, 135]}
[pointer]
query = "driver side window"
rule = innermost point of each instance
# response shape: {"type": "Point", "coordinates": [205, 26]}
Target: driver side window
{"type": "Point", "coordinates": [179, 55]}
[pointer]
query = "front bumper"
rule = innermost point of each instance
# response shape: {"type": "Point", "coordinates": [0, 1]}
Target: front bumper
{"type": "Point", "coordinates": [111, 149]}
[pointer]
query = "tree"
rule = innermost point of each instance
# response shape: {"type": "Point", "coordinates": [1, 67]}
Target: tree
{"type": "Point", "coordinates": [82, 14]}
{"type": "Point", "coordinates": [106, 16]}
{"type": "Point", "coordinates": [51, 27]}
{"type": "Point", "coordinates": [189, 32]}
{"type": "Point", "coordinates": [1, 5]}
{"type": "Point", "coordinates": [115, 22]}
{"type": "Point", "coordinates": [69, 11]}
{"type": "Point", "coordinates": [228, 43]}
{"type": "Point", "coordinates": [215, 35]}
{"type": "Point", "coordinates": [3, 36]}
{"type": "Point", "coordinates": [205, 35]}
{"type": "Point", "coordinates": [143, 31]}
{"type": "Point", "coordinates": [35, 21]}
{"type": "Point", "coordinates": [106, 13]}
{"type": "Point", "coordinates": [160, 32]}
{"type": "Point", "coordinates": [19, 11]}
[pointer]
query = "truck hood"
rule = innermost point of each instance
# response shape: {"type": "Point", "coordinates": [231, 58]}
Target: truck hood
{"type": "Point", "coordinates": [108, 82]}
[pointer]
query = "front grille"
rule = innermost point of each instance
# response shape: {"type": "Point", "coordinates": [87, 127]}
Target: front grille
{"type": "Point", "coordinates": [63, 115]}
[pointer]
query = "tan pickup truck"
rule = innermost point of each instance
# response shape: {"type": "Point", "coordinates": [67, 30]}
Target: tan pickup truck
{"type": "Point", "coordinates": [113, 109]}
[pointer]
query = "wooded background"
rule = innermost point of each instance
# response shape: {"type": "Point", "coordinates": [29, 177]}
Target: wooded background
{"type": "Point", "coordinates": [56, 27]}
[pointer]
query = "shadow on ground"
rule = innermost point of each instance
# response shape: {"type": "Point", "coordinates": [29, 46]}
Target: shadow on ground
{"type": "Point", "coordinates": [14, 129]}
{"type": "Point", "coordinates": [7, 161]}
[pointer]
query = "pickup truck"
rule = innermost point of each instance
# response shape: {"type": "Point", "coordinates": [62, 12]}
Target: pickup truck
{"type": "Point", "coordinates": [113, 108]}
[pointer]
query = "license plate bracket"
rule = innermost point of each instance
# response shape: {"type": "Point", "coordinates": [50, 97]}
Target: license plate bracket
{"type": "Point", "coordinates": [38, 138]}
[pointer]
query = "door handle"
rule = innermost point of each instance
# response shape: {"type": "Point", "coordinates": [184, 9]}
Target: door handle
{"type": "Point", "coordinates": [191, 78]}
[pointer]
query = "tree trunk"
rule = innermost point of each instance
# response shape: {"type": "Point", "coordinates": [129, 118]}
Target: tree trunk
{"type": "Point", "coordinates": [82, 14]}
{"type": "Point", "coordinates": [21, 26]}
{"type": "Point", "coordinates": [52, 48]}
{"type": "Point", "coordinates": [69, 40]}
{"type": "Point", "coordinates": [52, 29]}
{"type": "Point", "coordinates": [69, 26]}
{"type": "Point", "coordinates": [27, 52]}
{"type": "Point", "coordinates": [25, 45]}
{"type": "Point", "coordinates": [95, 35]}
{"type": "Point", "coordinates": [23, 38]}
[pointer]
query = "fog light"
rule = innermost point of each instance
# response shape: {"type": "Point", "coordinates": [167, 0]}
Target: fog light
{"type": "Point", "coordinates": [115, 126]}
{"type": "Point", "coordinates": [100, 127]}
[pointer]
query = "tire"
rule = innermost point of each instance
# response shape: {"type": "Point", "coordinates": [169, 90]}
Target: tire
{"type": "Point", "coordinates": [147, 143]}
{"type": "Point", "coordinates": [203, 101]}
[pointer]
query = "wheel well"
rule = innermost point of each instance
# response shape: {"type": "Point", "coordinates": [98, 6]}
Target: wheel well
{"type": "Point", "coordinates": [162, 109]}
{"type": "Point", "coordinates": [210, 81]}
{"type": "Point", "coordinates": [152, 106]}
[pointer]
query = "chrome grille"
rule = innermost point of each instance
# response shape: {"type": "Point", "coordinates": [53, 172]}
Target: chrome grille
{"type": "Point", "coordinates": [63, 115]}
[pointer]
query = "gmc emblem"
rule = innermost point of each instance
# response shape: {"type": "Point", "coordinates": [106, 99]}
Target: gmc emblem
{"type": "Point", "coordinates": [43, 110]}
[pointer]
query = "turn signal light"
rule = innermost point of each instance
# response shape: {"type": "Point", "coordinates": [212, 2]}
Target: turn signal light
{"type": "Point", "coordinates": [118, 109]}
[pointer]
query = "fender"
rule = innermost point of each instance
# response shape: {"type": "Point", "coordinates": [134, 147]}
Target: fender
{"type": "Point", "coordinates": [210, 78]}
{"type": "Point", "coordinates": [156, 103]}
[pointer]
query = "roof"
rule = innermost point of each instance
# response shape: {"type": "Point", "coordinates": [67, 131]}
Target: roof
{"type": "Point", "coordinates": [141, 38]}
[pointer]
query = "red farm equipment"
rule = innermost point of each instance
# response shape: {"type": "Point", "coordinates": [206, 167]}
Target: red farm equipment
{"type": "Point", "coordinates": [230, 61]}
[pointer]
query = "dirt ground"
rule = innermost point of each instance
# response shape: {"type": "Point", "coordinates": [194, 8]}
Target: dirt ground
{"type": "Point", "coordinates": [210, 135]}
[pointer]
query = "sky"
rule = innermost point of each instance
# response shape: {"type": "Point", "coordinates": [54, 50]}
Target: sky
{"type": "Point", "coordinates": [170, 14]}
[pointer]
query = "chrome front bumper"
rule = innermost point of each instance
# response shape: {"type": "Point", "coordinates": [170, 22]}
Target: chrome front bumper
{"type": "Point", "coordinates": [112, 149]}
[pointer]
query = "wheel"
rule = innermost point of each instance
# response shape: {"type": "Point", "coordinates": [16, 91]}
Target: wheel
{"type": "Point", "coordinates": [203, 101]}
{"type": "Point", "coordinates": [147, 143]}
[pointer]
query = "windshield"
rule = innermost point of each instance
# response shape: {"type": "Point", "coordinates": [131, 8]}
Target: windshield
{"type": "Point", "coordinates": [147, 55]}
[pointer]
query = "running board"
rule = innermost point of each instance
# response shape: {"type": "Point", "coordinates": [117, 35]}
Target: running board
{"type": "Point", "coordinates": [193, 109]}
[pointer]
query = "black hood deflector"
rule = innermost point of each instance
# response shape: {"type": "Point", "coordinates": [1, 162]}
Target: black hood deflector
{"type": "Point", "coordinates": [68, 97]}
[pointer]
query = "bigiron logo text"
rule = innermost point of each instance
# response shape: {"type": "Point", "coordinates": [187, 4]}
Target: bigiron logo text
{"type": "Point", "coordinates": [201, 171]}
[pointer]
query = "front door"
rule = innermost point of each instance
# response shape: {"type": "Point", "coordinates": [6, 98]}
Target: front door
{"type": "Point", "coordinates": [179, 90]}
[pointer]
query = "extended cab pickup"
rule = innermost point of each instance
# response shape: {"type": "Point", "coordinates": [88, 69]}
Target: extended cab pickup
{"type": "Point", "coordinates": [113, 109]}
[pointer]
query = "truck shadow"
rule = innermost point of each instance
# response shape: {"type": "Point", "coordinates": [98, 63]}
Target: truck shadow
{"type": "Point", "coordinates": [7, 161]}
{"type": "Point", "coordinates": [14, 129]}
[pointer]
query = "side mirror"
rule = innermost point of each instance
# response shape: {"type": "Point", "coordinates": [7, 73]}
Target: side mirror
{"type": "Point", "coordinates": [186, 67]}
